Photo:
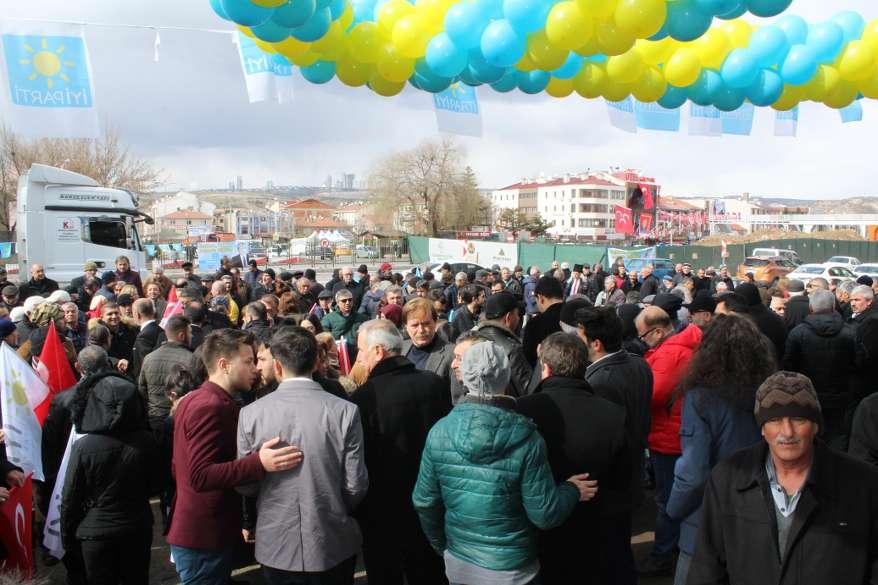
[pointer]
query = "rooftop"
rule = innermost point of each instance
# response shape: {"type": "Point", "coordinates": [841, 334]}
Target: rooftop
{"type": "Point", "coordinates": [187, 214]}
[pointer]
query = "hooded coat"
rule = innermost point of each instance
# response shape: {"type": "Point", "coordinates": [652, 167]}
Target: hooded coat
{"type": "Point", "coordinates": [485, 487]}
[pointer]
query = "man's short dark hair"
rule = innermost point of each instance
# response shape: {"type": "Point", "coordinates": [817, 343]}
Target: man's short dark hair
{"type": "Point", "coordinates": [92, 283]}
{"type": "Point", "coordinates": [223, 343]}
{"type": "Point", "coordinates": [470, 292]}
{"type": "Point", "coordinates": [256, 311]}
{"type": "Point", "coordinates": [296, 350]}
{"type": "Point", "coordinates": [195, 312]}
{"type": "Point", "coordinates": [734, 303]}
{"type": "Point", "coordinates": [549, 287]}
{"type": "Point", "coordinates": [99, 334]}
{"type": "Point", "coordinates": [176, 325]}
{"type": "Point", "coordinates": [92, 359]}
{"type": "Point", "coordinates": [601, 324]}
{"type": "Point", "coordinates": [565, 354]}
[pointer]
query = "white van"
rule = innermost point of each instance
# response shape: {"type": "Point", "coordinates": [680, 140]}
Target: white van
{"type": "Point", "coordinates": [66, 219]}
{"type": "Point", "coordinates": [790, 255]}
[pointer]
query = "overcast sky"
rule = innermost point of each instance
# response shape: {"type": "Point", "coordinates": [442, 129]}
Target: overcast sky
{"type": "Point", "coordinates": [189, 115]}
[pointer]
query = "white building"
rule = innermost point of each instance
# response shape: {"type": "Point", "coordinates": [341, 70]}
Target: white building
{"type": "Point", "coordinates": [180, 201]}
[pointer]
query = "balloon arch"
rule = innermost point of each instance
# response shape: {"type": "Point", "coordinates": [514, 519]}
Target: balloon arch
{"type": "Point", "coordinates": [663, 51]}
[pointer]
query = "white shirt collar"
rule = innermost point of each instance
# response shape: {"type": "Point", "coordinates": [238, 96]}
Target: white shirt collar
{"type": "Point", "coordinates": [143, 326]}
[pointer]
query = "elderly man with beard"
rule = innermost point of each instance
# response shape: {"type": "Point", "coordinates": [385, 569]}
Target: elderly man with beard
{"type": "Point", "coordinates": [424, 347]}
{"type": "Point", "coordinates": [123, 336]}
{"type": "Point", "coordinates": [464, 342]}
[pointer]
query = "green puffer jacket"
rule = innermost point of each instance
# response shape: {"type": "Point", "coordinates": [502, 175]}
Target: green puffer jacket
{"type": "Point", "coordinates": [485, 487]}
{"type": "Point", "coordinates": [339, 325]}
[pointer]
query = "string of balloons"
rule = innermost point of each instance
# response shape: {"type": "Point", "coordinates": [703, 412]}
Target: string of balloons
{"type": "Point", "coordinates": [660, 51]}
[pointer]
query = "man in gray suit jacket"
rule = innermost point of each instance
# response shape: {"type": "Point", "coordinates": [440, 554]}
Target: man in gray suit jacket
{"type": "Point", "coordinates": [425, 348]}
{"type": "Point", "coordinates": [304, 529]}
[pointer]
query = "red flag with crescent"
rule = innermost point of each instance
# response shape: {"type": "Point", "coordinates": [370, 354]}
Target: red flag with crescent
{"type": "Point", "coordinates": [624, 220]}
{"type": "Point", "coordinates": [16, 530]}
{"type": "Point", "coordinates": [648, 202]}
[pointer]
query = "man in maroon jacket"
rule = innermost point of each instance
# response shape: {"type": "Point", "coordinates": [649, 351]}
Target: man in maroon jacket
{"type": "Point", "coordinates": [206, 513]}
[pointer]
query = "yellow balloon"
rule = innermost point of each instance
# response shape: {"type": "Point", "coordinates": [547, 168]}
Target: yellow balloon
{"type": "Point", "coordinates": [365, 42]}
{"type": "Point", "coordinates": [353, 73]}
{"type": "Point", "coordinates": [269, 3]}
{"type": "Point", "coordinates": [334, 44]}
{"type": "Point", "coordinates": [713, 47]}
{"type": "Point", "coordinates": [857, 61]}
{"type": "Point", "coordinates": [842, 95]}
{"type": "Point", "coordinates": [651, 86]}
{"type": "Point", "coordinates": [625, 68]}
{"type": "Point", "coordinates": [305, 59]}
{"type": "Point", "coordinates": [434, 10]}
{"type": "Point", "coordinates": [559, 88]}
{"type": "Point", "coordinates": [611, 40]}
{"type": "Point", "coordinates": [389, 15]}
{"type": "Point", "coordinates": [385, 87]}
{"type": "Point", "coordinates": [567, 27]}
{"type": "Point", "coordinates": [824, 81]}
{"type": "Point", "coordinates": [616, 92]}
{"type": "Point", "coordinates": [790, 98]}
{"type": "Point", "coordinates": [392, 66]}
{"type": "Point", "coordinates": [869, 87]}
{"type": "Point", "coordinates": [543, 53]}
{"type": "Point", "coordinates": [641, 18]}
{"type": "Point", "coordinates": [598, 9]}
{"type": "Point", "coordinates": [526, 64]}
{"type": "Point", "coordinates": [410, 36]}
{"type": "Point", "coordinates": [267, 47]}
{"type": "Point", "coordinates": [590, 81]}
{"type": "Point", "coordinates": [291, 47]}
{"type": "Point", "coordinates": [347, 17]}
{"type": "Point", "coordinates": [246, 30]}
{"type": "Point", "coordinates": [683, 68]}
{"type": "Point", "coordinates": [655, 52]}
{"type": "Point", "coordinates": [738, 32]}
{"type": "Point", "coordinates": [589, 48]}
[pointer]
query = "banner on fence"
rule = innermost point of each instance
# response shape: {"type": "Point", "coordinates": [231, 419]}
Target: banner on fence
{"type": "Point", "coordinates": [476, 251]}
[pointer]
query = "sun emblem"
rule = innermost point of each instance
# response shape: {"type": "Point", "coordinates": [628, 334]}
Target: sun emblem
{"type": "Point", "coordinates": [47, 63]}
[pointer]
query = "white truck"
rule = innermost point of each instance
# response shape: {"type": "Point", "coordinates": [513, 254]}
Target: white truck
{"type": "Point", "coordinates": [65, 219]}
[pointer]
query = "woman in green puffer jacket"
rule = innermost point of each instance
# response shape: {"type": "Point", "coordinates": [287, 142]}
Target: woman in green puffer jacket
{"type": "Point", "coordinates": [485, 487]}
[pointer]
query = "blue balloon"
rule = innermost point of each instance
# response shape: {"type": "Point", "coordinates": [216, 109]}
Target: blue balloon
{"type": "Point", "coordinates": [319, 72]}
{"type": "Point", "coordinates": [427, 80]}
{"type": "Point", "coordinates": [661, 34]}
{"type": "Point", "coordinates": [739, 69]}
{"type": "Point", "coordinates": [217, 6]}
{"type": "Point", "coordinates": [323, 4]}
{"type": "Point", "coordinates": [527, 16]}
{"type": "Point", "coordinates": [703, 91]}
{"type": "Point", "coordinates": [732, 9]}
{"type": "Point", "coordinates": [851, 23]}
{"type": "Point", "coordinates": [570, 67]}
{"type": "Point", "coordinates": [827, 39]}
{"type": "Point", "coordinates": [468, 78]}
{"type": "Point", "coordinates": [686, 22]}
{"type": "Point", "coordinates": [599, 58]}
{"type": "Point", "coordinates": [501, 45]}
{"type": "Point", "coordinates": [245, 12]}
{"type": "Point", "coordinates": [766, 90]}
{"type": "Point", "coordinates": [765, 8]}
{"type": "Point", "coordinates": [794, 27]}
{"type": "Point", "coordinates": [465, 23]}
{"type": "Point", "coordinates": [482, 70]}
{"type": "Point", "coordinates": [493, 9]}
{"type": "Point", "coordinates": [712, 7]}
{"type": "Point", "coordinates": [674, 97]}
{"type": "Point", "coordinates": [315, 28]}
{"type": "Point", "coordinates": [270, 32]}
{"type": "Point", "coordinates": [294, 13]}
{"type": "Point", "coordinates": [799, 66]}
{"type": "Point", "coordinates": [337, 8]}
{"type": "Point", "coordinates": [728, 99]}
{"type": "Point", "coordinates": [769, 45]}
{"type": "Point", "coordinates": [532, 82]}
{"type": "Point", "coordinates": [443, 58]}
{"type": "Point", "coordinates": [376, 8]}
{"type": "Point", "coordinates": [507, 83]}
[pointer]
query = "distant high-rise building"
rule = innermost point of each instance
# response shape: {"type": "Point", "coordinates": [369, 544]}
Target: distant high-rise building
{"type": "Point", "coordinates": [349, 180]}
{"type": "Point", "coordinates": [328, 182]}
{"type": "Point", "coordinates": [239, 183]}
{"type": "Point", "coordinates": [269, 184]}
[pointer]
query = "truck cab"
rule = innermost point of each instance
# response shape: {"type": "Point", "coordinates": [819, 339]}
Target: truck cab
{"type": "Point", "coordinates": [65, 219]}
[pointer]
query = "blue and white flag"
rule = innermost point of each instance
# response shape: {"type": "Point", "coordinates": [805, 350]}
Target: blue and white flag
{"type": "Point", "coordinates": [787, 123]}
{"type": "Point", "coordinates": [49, 89]}
{"type": "Point", "coordinates": [654, 117]}
{"type": "Point", "coordinates": [622, 114]}
{"type": "Point", "coordinates": [269, 76]}
{"type": "Point", "coordinates": [704, 121]}
{"type": "Point", "coordinates": [740, 121]}
{"type": "Point", "coordinates": [852, 113]}
{"type": "Point", "coordinates": [457, 110]}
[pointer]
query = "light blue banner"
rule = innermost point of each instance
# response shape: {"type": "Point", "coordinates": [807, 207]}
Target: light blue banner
{"type": "Point", "coordinates": [255, 60]}
{"type": "Point", "coordinates": [852, 113]}
{"type": "Point", "coordinates": [655, 117]}
{"type": "Point", "coordinates": [48, 71]}
{"type": "Point", "coordinates": [6, 249]}
{"type": "Point", "coordinates": [739, 122]}
{"type": "Point", "coordinates": [457, 110]}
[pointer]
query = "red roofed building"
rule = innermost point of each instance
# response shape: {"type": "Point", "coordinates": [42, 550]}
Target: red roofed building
{"type": "Point", "coordinates": [313, 214]}
{"type": "Point", "coordinates": [183, 223]}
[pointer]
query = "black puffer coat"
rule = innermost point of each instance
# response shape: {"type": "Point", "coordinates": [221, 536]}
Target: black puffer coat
{"type": "Point", "coordinates": [112, 470]}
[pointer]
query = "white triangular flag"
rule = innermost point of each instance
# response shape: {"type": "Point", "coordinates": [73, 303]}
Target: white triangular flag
{"type": "Point", "coordinates": [18, 383]}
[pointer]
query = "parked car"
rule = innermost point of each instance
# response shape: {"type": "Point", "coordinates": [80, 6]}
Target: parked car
{"type": "Point", "coordinates": [765, 271]}
{"type": "Point", "coordinates": [790, 255]}
{"type": "Point", "coordinates": [834, 273]}
{"type": "Point", "coordinates": [362, 251]}
{"type": "Point", "coordinates": [660, 266]}
{"type": "Point", "coordinates": [848, 261]}
{"type": "Point", "coordinates": [870, 270]}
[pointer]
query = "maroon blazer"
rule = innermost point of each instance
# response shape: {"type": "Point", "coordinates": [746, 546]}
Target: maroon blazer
{"type": "Point", "coordinates": [206, 513]}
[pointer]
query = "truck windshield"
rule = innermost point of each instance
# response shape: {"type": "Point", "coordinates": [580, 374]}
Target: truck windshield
{"type": "Point", "coordinates": [113, 232]}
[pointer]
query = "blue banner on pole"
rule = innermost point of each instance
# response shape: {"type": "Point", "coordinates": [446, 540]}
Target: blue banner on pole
{"type": "Point", "coordinates": [654, 117]}
{"type": "Point", "coordinates": [740, 121]}
{"type": "Point", "coordinates": [852, 113]}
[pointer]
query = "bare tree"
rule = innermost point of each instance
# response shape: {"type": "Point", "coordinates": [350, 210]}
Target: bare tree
{"type": "Point", "coordinates": [106, 160]}
{"type": "Point", "coordinates": [431, 183]}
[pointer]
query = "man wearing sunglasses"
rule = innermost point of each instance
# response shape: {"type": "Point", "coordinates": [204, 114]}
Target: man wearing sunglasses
{"type": "Point", "coordinates": [344, 321]}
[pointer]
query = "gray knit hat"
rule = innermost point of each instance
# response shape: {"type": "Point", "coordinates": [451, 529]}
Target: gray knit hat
{"type": "Point", "coordinates": [787, 394]}
{"type": "Point", "coordinates": [485, 369]}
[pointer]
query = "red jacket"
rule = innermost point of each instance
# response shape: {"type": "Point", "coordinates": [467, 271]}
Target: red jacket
{"type": "Point", "coordinates": [206, 512]}
{"type": "Point", "coordinates": [668, 362]}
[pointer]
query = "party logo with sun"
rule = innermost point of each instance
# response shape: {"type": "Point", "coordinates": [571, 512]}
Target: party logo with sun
{"type": "Point", "coordinates": [48, 71]}
{"type": "Point", "coordinates": [459, 98]}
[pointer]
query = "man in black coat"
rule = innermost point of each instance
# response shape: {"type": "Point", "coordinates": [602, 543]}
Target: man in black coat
{"type": "Point", "coordinates": [769, 323]}
{"type": "Point", "coordinates": [790, 510]}
{"type": "Point", "coordinates": [148, 338]}
{"type": "Point", "coordinates": [398, 404]}
{"type": "Point", "coordinates": [649, 284]}
{"type": "Point", "coordinates": [822, 347]}
{"type": "Point", "coordinates": [583, 433]}
{"type": "Point", "coordinates": [796, 308]}
{"type": "Point", "coordinates": [38, 285]}
{"type": "Point", "coordinates": [500, 322]}
{"type": "Point", "coordinates": [549, 296]}
{"type": "Point", "coordinates": [347, 282]}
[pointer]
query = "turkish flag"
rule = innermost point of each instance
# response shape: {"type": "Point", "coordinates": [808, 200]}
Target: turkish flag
{"type": "Point", "coordinates": [54, 358]}
{"type": "Point", "coordinates": [172, 295]}
{"type": "Point", "coordinates": [172, 310]}
{"type": "Point", "coordinates": [648, 202]}
{"type": "Point", "coordinates": [624, 220]}
{"type": "Point", "coordinates": [645, 222]}
{"type": "Point", "coordinates": [16, 527]}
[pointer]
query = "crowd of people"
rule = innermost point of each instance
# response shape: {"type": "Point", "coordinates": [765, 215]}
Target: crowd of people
{"type": "Point", "coordinates": [493, 427]}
